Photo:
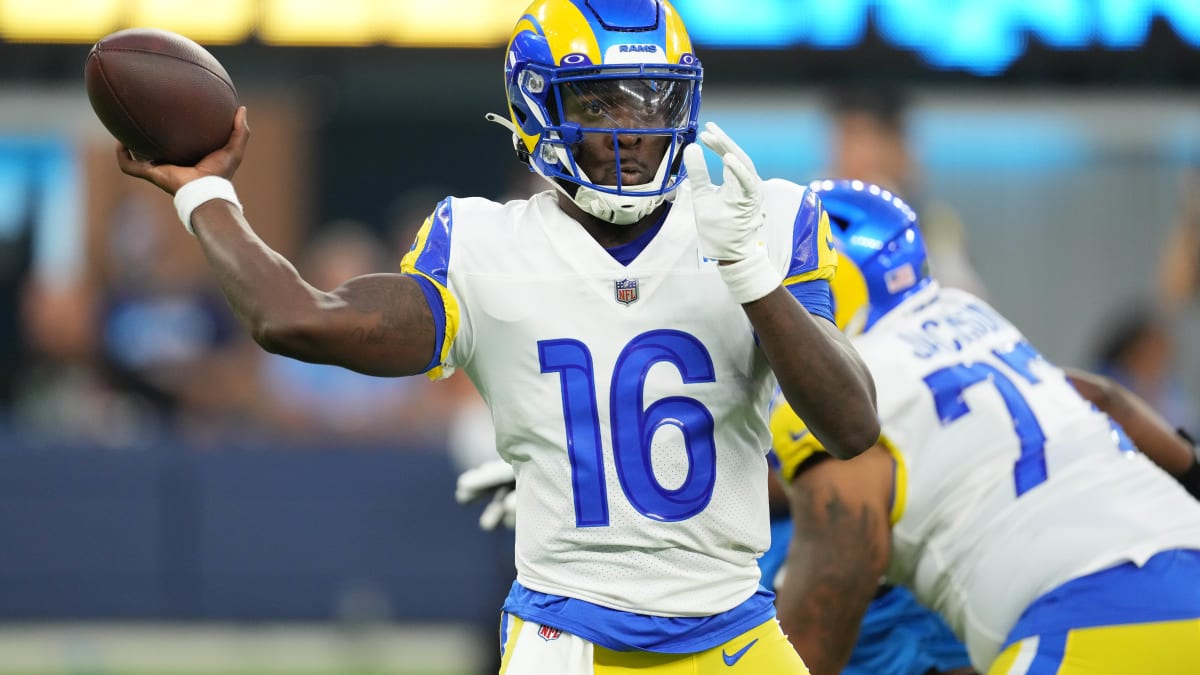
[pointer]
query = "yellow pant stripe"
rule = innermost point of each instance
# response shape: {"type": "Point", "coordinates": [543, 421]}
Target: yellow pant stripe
{"type": "Point", "coordinates": [1162, 648]}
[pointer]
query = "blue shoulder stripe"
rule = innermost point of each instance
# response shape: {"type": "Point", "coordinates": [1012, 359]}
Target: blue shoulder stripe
{"type": "Point", "coordinates": [806, 237]}
{"type": "Point", "coordinates": [433, 260]}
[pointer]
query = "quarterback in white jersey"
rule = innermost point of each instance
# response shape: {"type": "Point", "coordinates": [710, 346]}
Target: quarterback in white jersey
{"type": "Point", "coordinates": [1004, 499]}
{"type": "Point", "coordinates": [626, 329]}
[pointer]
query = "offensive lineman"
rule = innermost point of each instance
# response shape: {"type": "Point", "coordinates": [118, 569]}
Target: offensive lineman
{"type": "Point", "coordinates": [999, 495]}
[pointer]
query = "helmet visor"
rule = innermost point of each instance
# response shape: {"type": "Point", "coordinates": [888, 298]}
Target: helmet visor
{"type": "Point", "coordinates": [636, 104]}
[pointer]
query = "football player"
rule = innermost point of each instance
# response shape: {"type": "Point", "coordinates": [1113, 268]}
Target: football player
{"type": "Point", "coordinates": [999, 495]}
{"type": "Point", "coordinates": [626, 327]}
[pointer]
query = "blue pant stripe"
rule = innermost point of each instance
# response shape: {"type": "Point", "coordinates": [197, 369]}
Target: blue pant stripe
{"type": "Point", "coordinates": [1052, 647]}
{"type": "Point", "coordinates": [503, 632]}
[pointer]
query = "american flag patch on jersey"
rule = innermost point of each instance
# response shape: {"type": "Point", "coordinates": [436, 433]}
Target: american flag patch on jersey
{"type": "Point", "coordinates": [547, 633]}
{"type": "Point", "coordinates": [626, 291]}
{"type": "Point", "coordinates": [901, 278]}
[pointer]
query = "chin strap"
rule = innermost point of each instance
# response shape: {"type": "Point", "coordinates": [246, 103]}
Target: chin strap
{"type": "Point", "coordinates": [518, 146]}
{"type": "Point", "coordinates": [617, 209]}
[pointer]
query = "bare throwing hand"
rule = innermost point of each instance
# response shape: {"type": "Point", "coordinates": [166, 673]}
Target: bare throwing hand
{"type": "Point", "coordinates": [223, 162]}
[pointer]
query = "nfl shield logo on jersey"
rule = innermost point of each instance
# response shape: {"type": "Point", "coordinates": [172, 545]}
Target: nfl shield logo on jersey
{"type": "Point", "coordinates": [627, 291]}
{"type": "Point", "coordinates": [547, 633]}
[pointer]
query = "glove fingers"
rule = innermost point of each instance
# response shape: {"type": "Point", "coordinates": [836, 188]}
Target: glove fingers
{"type": "Point", "coordinates": [510, 510]}
{"type": "Point", "coordinates": [494, 513]}
{"type": "Point", "coordinates": [719, 142]}
{"type": "Point", "coordinates": [746, 178]}
{"type": "Point", "coordinates": [697, 168]}
{"type": "Point", "coordinates": [474, 483]}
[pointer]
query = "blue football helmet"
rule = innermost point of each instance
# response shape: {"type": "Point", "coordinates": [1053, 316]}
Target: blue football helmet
{"type": "Point", "coordinates": [609, 67]}
{"type": "Point", "coordinates": [883, 259]}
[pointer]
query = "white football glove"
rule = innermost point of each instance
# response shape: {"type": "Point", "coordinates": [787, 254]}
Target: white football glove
{"type": "Point", "coordinates": [729, 216]}
{"type": "Point", "coordinates": [494, 479]}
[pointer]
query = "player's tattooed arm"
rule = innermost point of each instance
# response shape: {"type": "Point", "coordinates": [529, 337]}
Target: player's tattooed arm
{"type": "Point", "coordinates": [839, 550]}
{"type": "Point", "coordinates": [378, 324]}
{"type": "Point", "coordinates": [821, 375]}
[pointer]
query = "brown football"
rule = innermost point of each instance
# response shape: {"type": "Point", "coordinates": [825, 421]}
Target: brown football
{"type": "Point", "coordinates": [161, 94]}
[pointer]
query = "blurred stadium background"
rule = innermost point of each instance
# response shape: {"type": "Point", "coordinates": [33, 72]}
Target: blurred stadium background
{"type": "Point", "coordinates": [172, 500]}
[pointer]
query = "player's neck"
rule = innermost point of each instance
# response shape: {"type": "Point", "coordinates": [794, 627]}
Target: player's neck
{"type": "Point", "coordinates": [609, 234]}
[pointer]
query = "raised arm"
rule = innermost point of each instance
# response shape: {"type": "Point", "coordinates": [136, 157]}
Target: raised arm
{"type": "Point", "coordinates": [378, 324]}
{"type": "Point", "coordinates": [821, 375]}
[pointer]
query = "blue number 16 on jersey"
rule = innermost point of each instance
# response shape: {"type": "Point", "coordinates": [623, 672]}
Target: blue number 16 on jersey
{"type": "Point", "coordinates": [634, 426]}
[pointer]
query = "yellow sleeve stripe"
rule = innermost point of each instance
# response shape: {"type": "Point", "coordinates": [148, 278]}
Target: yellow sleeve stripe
{"type": "Point", "coordinates": [452, 322]}
{"type": "Point", "coordinates": [819, 273]}
{"type": "Point", "coordinates": [408, 265]}
{"type": "Point", "coordinates": [900, 487]}
{"type": "Point", "coordinates": [827, 256]}
{"type": "Point", "coordinates": [791, 440]}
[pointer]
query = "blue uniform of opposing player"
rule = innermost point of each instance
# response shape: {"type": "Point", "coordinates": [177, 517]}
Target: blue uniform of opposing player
{"type": "Point", "coordinates": [997, 494]}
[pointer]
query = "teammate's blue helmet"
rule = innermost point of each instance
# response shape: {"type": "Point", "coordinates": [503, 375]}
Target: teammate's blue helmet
{"type": "Point", "coordinates": [628, 66]}
{"type": "Point", "coordinates": [883, 259]}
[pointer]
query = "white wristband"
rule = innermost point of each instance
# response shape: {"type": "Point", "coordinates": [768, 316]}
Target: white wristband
{"type": "Point", "coordinates": [751, 278]}
{"type": "Point", "coordinates": [196, 192]}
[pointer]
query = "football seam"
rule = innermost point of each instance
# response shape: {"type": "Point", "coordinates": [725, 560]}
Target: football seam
{"type": "Point", "coordinates": [125, 110]}
{"type": "Point", "coordinates": [224, 80]}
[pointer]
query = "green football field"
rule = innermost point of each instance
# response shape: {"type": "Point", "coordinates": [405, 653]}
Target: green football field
{"type": "Point", "coordinates": [242, 649]}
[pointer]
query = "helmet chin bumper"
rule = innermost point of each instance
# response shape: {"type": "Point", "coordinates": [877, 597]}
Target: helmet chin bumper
{"type": "Point", "coordinates": [625, 205]}
{"type": "Point", "coordinates": [617, 209]}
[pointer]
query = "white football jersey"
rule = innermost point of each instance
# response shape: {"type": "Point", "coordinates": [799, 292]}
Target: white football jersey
{"type": "Point", "coordinates": [630, 400]}
{"type": "Point", "coordinates": [1008, 482]}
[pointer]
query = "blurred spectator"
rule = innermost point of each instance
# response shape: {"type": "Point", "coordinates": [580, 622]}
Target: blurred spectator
{"type": "Point", "coordinates": [308, 401]}
{"type": "Point", "coordinates": [167, 338]}
{"type": "Point", "coordinates": [16, 237]}
{"type": "Point", "coordinates": [50, 387]}
{"type": "Point", "coordinates": [870, 143]}
{"type": "Point", "coordinates": [1179, 271]}
{"type": "Point", "coordinates": [1138, 350]}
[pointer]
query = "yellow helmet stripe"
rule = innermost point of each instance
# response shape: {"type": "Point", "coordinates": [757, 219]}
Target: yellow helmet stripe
{"type": "Point", "coordinates": [569, 32]}
{"type": "Point", "coordinates": [850, 298]}
{"type": "Point", "coordinates": [678, 42]}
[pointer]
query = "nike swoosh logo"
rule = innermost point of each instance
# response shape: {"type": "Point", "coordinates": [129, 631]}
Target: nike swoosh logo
{"type": "Point", "coordinates": [829, 242]}
{"type": "Point", "coordinates": [802, 434]}
{"type": "Point", "coordinates": [733, 658]}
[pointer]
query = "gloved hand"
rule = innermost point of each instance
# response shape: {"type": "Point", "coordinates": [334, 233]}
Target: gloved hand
{"type": "Point", "coordinates": [494, 479]}
{"type": "Point", "coordinates": [729, 216]}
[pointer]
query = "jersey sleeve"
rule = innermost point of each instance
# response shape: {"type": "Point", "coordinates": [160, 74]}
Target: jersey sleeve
{"type": "Point", "coordinates": [813, 253]}
{"type": "Point", "coordinates": [793, 444]}
{"type": "Point", "coordinates": [795, 450]}
{"type": "Point", "coordinates": [429, 262]}
{"type": "Point", "coordinates": [813, 260]}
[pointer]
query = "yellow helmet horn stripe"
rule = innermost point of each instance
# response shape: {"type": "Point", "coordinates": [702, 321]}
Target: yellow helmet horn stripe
{"type": "Point", "coordinates": [678, 42]}
{"type": "Point", "coordinates": [570, 33]}
{"type": "Point", "coordinates": [850, 299]}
